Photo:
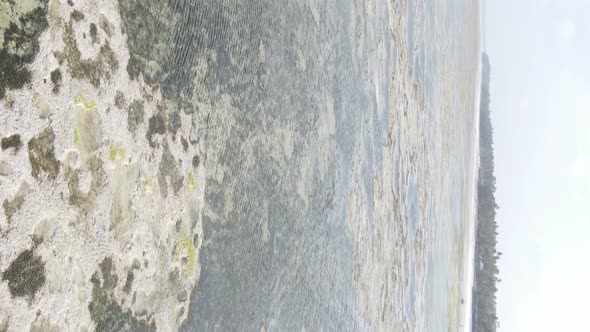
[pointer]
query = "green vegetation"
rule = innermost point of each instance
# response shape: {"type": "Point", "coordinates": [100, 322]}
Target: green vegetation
{"type": "Point", "coordinates": [117, 153]}
{"type": "Point", "coordinates": [185, 248]}
{"type": "Point", "coordinates": [147, 184]}
{"type": "Point", "coordinates": [486, 255]}
{"type": "Point", "coordinates": [191, 180]}
{"type": "Point", "coordinates": [82, 101]}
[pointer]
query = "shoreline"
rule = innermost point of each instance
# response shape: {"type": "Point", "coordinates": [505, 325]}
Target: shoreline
{"type": "Point", "coordinates": [469, 255]}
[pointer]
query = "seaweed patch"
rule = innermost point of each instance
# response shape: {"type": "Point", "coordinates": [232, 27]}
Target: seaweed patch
{"type": "Point", "coordinates": [157, 125]}
{"type": "Point", "coordinates": [42, 155]}
{"type": "Point", "coordinates": [185, 250]}
{"type": "Point", "coordinates": [82, 101]}
{"type": "Point", "coordinates": [168, 170]}
{"type": "Point", "coordinates": [25, 275]}
{"type": "Point", "coordinates": [19, 45]}
{"type": "Point", "coordinates": [117, 153]}
{"type": "Point", "coordinates": [120, 99]}
{"type": "Point", "coordinates": [94, 33]}
{"type": "Point", "coordinates": [104, 309]}
{"type": "Point", "coordinates": [56, 80]}
{"type": "Point", "coordinates": [11, 142]}
{"type": "Point", "coordinates": [94, 70]}
{"type": "Point", "coordinates": [135, 114]}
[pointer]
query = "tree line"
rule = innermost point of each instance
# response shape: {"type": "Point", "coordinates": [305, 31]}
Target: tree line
{"type": "Point", "coordinates": [486, 256]}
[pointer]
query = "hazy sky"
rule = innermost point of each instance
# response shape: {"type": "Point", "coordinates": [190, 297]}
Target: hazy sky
{"type": "Point", "coordinates": [540, 99]}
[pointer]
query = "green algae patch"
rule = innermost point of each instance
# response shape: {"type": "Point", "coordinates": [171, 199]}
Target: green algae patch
{"type": "Point", "coordinates": [81, 100]}
{"type": "Point", "coordinates": [128, 282]}
{"type": "Point", "coordinates": [120, 99]}
{"type": "Point", "coordinates": [104, 310]}
{"type": "Point", "coordinates": [93, 32]}
{"type": "Point", "coordinates": [13, 75]}
{"type": "Point", "coordinates": [56, 80]}
{"type": "Point", "coordinates": [151, 31]}
{"type": "Point", "coordinates": [93, 70]}
{"type": "Point", "coordinates": [117, 153]}
{"type": "Point", "coordinates": [147, 185]}
{"type": "Point", "coordinates": [156, 125]}
{"type": "Point", "coordinates": [186, 251]}
{"type": "Point", "coordinates": [174, 122]}
{"type": "Point", "coordinates": [11, 142]}
{"type": "Point", "coordinates": [135, 115]}
{"type": "Point", "coordinates": [196, 161]}
{"type": "Point", "coordinates": [191, 181]}
{"type": "Point", "coordinates": [25, 275]}
{"type": "Point", "coordinates": [42, 155]}
{"type": "Point", "coordinates": [77, 15]}
{"type": "Point", "coordinates": [168, 172]}
{"type": "Point", "coordinates": [76, 138]}
{"type": "Point", "coordinates": [19, 42]}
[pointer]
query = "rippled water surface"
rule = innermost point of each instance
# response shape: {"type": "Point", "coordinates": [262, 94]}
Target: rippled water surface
{"type": "Point", "coordinates": [338, 138]}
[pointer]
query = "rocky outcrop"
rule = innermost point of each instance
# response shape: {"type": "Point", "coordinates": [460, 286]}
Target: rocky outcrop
{"type": "Point", "coordinates": [102, 197]}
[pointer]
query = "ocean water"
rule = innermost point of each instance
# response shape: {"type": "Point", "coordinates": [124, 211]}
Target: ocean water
{"type": "Point", "coordinates": [339, 150]}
